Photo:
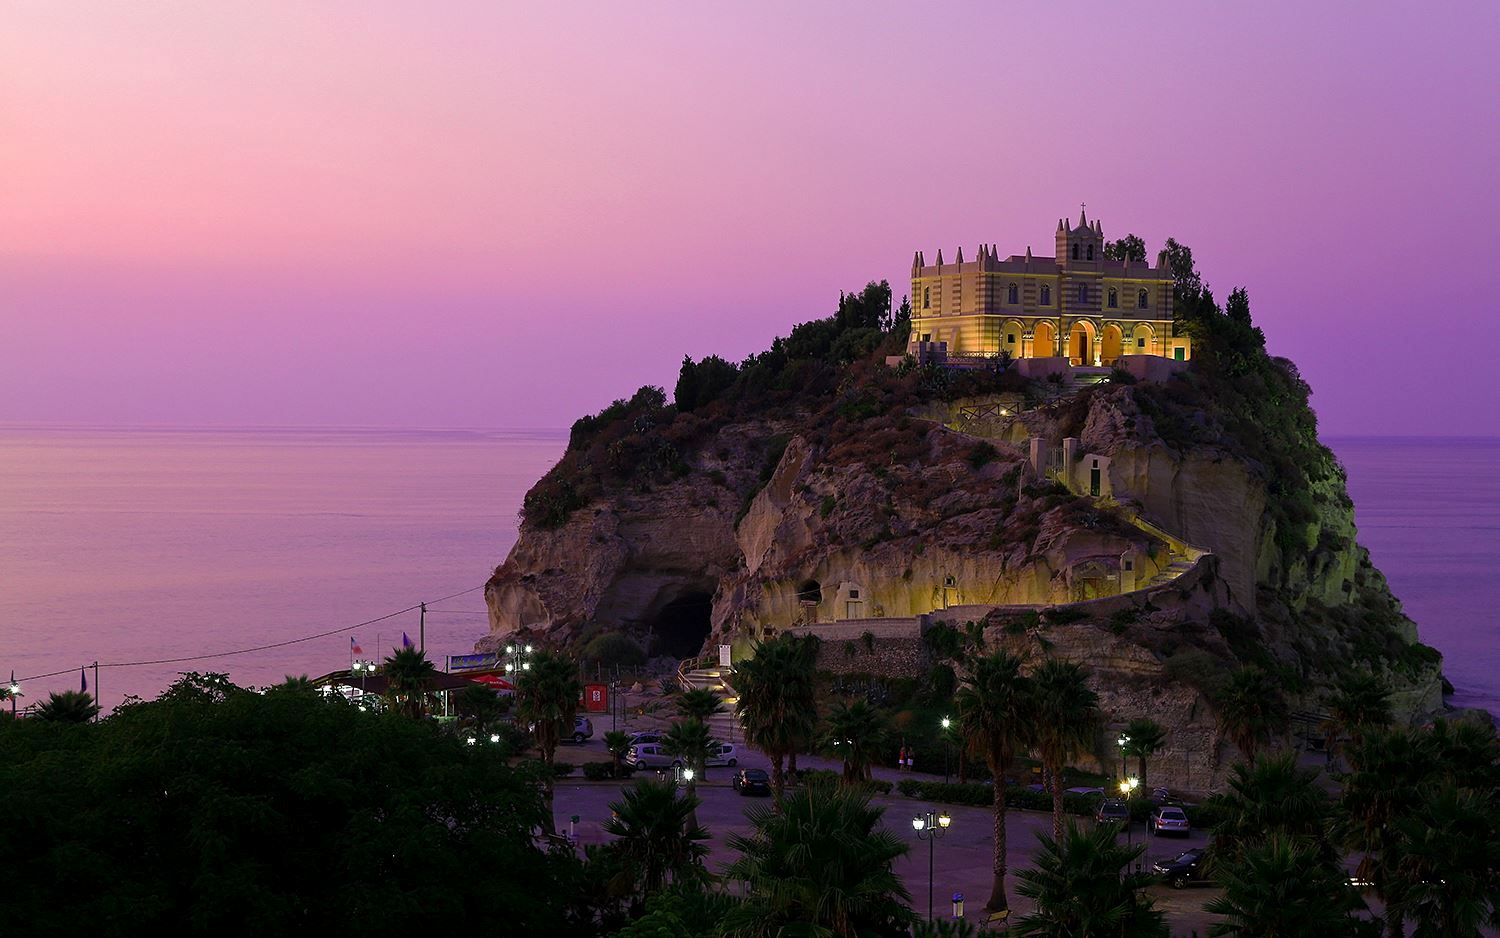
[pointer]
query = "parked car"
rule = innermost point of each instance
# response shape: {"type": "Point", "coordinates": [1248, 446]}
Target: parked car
{"type": "Point", "coordinates": [1182, 870]}
{"type": "Point", "coordinates": [646, 736]}
{"type": "Point", "coordinates": [1169, 819]}
{"type": "Point", "coordinates": [752, 782]}
{"type": "Point", "coordinates": [727, 755]}
{"type": "Point", "coordinates": [1112, 812]}
{"type": "Point", "coordinates": [1083, 791]}
{"type": "Point", "coordinates": [648, 756]}
{"type": "Point", "coordinates": [583, 728]}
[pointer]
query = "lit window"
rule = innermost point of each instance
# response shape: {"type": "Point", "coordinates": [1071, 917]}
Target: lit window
{"type": "Point", "coordinates": [927, 297]}
{"type": "Point", "coordinates": [1046, 296]}
{"type": "Point", "coordinates": [1114, 299]}
{"type": "Point", "coordinates": [1013, 295]}
{"type": "Point", "coordinates": [1142, 300]}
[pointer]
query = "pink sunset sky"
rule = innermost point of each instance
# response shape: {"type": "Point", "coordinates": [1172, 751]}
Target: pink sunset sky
{"type": "Point", "coordinates": [504, 215]}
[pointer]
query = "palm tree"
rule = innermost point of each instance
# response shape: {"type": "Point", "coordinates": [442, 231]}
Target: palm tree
{"type": "Point", "coordinates": [409, 678]}
{"type": "Point", "coordinates": [777, 702]}
{"type": "Point", "coordinates": [658, 837]}
{"type": "Point", "coordinates": [804, 730]}
{"type": "Point", "coordinates": [995, 706]}
{"type": "Point", "coordinates": [1449, 864]}
{"type": "Point", "coordinates": [698, 704]}
{"type": "Point", "coordinates": [296, 683]}
{"type": "Point", "coordinates": [692, 743]}
{"type": "Point", "coordinates": [818, 863]}
{"type": "Point", "coordinates": [1251, 709]}
{"type": "Point", "coordinates": [1388, 771]}
{"type": "Point", "coordinates": [1081, 887]}
{"type": "Point", "coordinates": [1067, 721]}
{"type": "Point", "coordinates": [549, 692]}
{"type": "Point", "coordinates": [856, 734]}
{"type": "Point", "coordinates": [1285, 889]}
{"type": "Point", "coordinates": [1270, 796]}
{"type": "Point", "coordinates": [1358, 701]}
{"type": "Point", "coordinates": [70, 706]}
{"type": "Point", "coordinates": [617, 742]}
{"type": "Point", "coordinates": [1144, 737]}
{"type": "Point", "coordinates": [479, 708]}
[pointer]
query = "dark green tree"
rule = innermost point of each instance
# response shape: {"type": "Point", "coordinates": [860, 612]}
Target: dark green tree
{"type": "Point", "coordinates": [1067, 723]}
{"type": "Point", "coordinates": [1448, 862]}
{"type": "Point", "coordinates": [480, 710]}
{"type": "Point", "coordinates": [548, 694]}
{"type": "Point", "coordinates": [818, 863]}
{"type": "Point", "coordinates": [1359, 701]}
{"type": "Point", "coordinates": [1128, 248]}
{"type": "Point", "coordinates": [1081, 887]}
{"type": "Point", "coordinates": [855, 733]}
{"type": "Point", "coordinates": [996, 704]}
{"type": "Point", "coordinates": [70, 706]}
{"type": "Point", "coordinates": [777, 701]}
{"type": "Point", "coordinates": [1145, 738]}
{"type": "Point", "coordinates": [1270, 796]}
{"type": "Point", "coordinates": [1285, 888]}
{"type": "Point", "coordinates": [1251, 709]}
{"type": "Point", "coordinates": [658, 837]}
{"type": "Point", "coordinates": [692, 743]}
{"type": "Point", "coordinates": [698, 704]}
{"type": "Point", "coordinates": [409, 679]}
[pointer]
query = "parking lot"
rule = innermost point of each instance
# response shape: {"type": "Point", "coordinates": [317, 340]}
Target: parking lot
{"type": "Point", "coordinates": [962, 857]}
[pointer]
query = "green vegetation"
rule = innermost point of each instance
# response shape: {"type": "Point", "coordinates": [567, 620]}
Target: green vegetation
{"type": "Point", "coordinates": [217, 810]}
{"type": "Point", "coordinates": [614, 650]}
{"type": "Point", "coordinates": [548, 693]}
{"type": "Point", "coordinates": [855, 733]}
{"type": "Point", "coordinates": [778, 701]}
{"type": "Point", "coordinates": [1081, 886]}
{"type": "Point", "coordinates": [1068, 718]}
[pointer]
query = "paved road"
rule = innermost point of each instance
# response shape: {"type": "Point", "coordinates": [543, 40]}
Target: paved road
{"type": "Point", "coordinates": [962, 857]}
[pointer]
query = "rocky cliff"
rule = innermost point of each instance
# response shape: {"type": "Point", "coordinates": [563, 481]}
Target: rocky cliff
{"type": "Point", "coordinates": [849, 492]}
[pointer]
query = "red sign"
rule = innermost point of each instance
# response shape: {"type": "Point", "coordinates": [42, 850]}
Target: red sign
{"type": "Point", "coordinates": [595, 698]}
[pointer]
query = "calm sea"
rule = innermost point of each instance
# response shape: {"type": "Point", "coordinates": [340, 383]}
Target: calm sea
{"type": "Point", "coordinates": [135, 545]}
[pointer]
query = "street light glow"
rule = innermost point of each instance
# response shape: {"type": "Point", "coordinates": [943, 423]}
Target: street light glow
{"type": "Point", "coordinates": [510, 649]}
{"type": "Point", "coordinates": [919, 823]}
{"type": "Point", "coordinates": [944, 820]}
{"type": "Point", "coordinates": [494, 737]}
{"type": "Point", "coordinates": [687, 774]}
{"type": "Point", "coordinates": [947, 722]}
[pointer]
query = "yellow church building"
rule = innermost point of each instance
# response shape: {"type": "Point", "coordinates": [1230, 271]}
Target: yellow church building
{"type": "Point", "coordinates": [1077, 304]}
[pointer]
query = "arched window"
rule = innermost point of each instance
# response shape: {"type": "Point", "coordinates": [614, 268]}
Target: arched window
{"type": "Point", "coordinates": [1083, 293]}
{"type": "Point", "coordinates": [1075, 252]}
{"type": "Point", "coordinates": [1013, 295]}
{"type": "Point", "coordinates": [927, 297]}
{"type": "Point", "coordinates": [1114, 299]}
{"type": "Point", "coordinates": [1142, 300]}
{"type": "Point", "coordinates": [1091, 252]}
{"type": "Point", "coordinates": [1046, 295]}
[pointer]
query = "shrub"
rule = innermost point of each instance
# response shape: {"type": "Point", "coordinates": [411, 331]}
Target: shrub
{"type": "Point", "coordinates": [562, 769]}
{"type": "Point", "coordinates": [603, 771]}
{"type": "Point", "coordinates": [981, 454]}
{"type": "Point", "coordinates": [613, 649]}
{"type": "Point", "coordinates": [1063, 616]}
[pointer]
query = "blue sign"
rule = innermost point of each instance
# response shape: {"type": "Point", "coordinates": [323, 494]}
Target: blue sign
{"type": "Point", "coordinates": [473, 662]}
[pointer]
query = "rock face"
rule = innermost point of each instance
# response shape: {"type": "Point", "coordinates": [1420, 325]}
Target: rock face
{"type": "Point", "coordinates": [770, 524]}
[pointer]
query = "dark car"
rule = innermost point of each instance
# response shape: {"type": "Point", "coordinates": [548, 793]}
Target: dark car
{"type": "Point", "coordinates": [1182, 870]}
{"type": "Point", "coordinates": [1113, 812]}
{"type": "Point", "coordinates": [752, 782]}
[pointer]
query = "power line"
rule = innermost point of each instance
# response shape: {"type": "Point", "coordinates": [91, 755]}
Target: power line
{"type": "Point", "coordinates": [244, 651]}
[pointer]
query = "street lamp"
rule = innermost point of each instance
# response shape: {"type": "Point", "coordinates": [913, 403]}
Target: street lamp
{"type": "Point", "coordinates": [947, 739]}
{"type": "Point", "coordinates": [1127, 788]}
{"type": "Point", "coordinates": [1124, 741]}
{"type": "Point", "coordinates": [930, 827]}
{"type": "Point", "coordinates": [15, 691]}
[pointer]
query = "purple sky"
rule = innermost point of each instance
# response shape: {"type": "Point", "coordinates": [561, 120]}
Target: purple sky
{"type": "Point", "coordinates": [482, 214]}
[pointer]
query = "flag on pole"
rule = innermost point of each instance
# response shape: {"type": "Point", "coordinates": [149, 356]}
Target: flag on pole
{"type": "Point", "coordinates": [405, 640]}
{"type": "Point", "coordinates": [83, 681]}
{"type": "Point", "coordinates": [354, 648]}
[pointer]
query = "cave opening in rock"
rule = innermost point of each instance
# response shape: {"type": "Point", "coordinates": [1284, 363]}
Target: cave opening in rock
{"type": "Point", "coordinates": [810, 592]}
{"type": "Point", "coordinates": [682, 625]}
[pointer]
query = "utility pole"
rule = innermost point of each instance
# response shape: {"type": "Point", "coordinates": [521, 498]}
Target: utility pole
{"type": "Point", "coordinates": [97, 698]}
{"type": "Point", "coordinates": [422, 630]}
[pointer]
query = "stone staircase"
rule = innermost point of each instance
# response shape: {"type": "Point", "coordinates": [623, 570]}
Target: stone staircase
{"type": "Point", "coordinates": [1178, 565]}
{"type": "Point", "coordinates": [724, 723]}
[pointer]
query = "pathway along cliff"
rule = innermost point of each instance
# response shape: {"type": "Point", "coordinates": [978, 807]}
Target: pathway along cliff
{"type": "Point", "coordinates": [1163, 533]}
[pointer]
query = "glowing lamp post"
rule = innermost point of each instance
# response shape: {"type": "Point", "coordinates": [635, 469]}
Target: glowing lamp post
{"type": "Point", "coordinates": [1127, 788]}
{"type": "Point", "coordinates": [947, 739]}
{"type": "Point", "coordinates": [1124, 742]}
{"type": "Point", "coordinates": [930, 827]}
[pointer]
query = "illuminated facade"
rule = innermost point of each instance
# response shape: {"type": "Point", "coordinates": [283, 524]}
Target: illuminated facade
{"type": "Point", "coordinates": [1076, 304]}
